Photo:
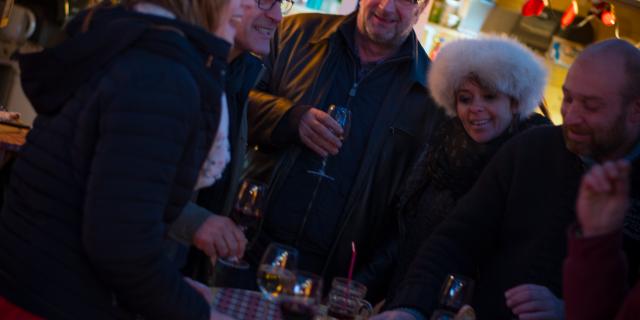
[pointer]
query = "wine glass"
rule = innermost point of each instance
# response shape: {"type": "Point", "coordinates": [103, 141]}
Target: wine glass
{"type": "Point", "coordinates": [247, 212]}
{"type": "Point", "coordinates": [456, 291]}
{"type": "Point", "coordinates": [342, 116]}
{"type": "Point", "coordinates": [276, 273]}
{"type": "Point", "coordinates": [301, 301]}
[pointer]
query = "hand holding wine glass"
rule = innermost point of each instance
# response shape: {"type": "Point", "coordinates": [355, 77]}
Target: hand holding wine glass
{"type": "Point", "coordinates": [342, 117]}
{"type": "Point", "coordinates": [319, 132]}
{"type": "Point", "coordinates": [247, 213]}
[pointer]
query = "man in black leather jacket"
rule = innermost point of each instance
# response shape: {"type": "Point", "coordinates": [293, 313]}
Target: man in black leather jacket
{"type": "Point", "coordinates": [371, 63]}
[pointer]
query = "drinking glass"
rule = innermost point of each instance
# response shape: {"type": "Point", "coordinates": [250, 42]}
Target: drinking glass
{"type": "Point", "coordinates": [276, 273]}
{"type": "Point", "coordinates": [343, 118]}
{"type": "Point", "coordinates": [456, 291]}
{"type": "Point", "coordinates": [247, 212]}
{"type": "Point", "coordinates": [301, 301]}
{"type": "Point", "coordinates": [346, 300]}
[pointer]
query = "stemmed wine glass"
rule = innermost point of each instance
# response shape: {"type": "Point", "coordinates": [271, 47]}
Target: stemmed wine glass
{"type": "Point", "coordinates": [276, 273]}
{"type": "Point", "coordinates": [342, 116]}
{"type": "Point", "coordinates": [456, 291]}
{"type": "Point", "coordinates": [301, 301]}
{"type": "Point", "coordinates": [247, 212]}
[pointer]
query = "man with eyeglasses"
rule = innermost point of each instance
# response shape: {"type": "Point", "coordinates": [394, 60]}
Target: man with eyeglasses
{"type": "Point", "coordinates": [206, 224]}
{"type": "Point", "coordinates": [371, 63]}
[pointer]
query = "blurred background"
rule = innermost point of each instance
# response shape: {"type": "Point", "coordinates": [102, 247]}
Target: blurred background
{"type": "Point", "coordinates": [556, 29]}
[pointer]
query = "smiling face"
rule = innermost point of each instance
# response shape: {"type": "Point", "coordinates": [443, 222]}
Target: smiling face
{"type": "Point", "coordinates": [484, 114]}
{"type": "Point", "coordinates": [597, 122]}
{"type": "Point", "coordinates": [257, 27]}
{"type": "Point", "coordinates": [388, 22]}
{"type": "Point", "coordinates": [230, 14]}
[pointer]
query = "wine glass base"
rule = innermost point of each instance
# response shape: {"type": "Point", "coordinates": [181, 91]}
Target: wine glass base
{"type": "Point", "coordinates": [321, 174]}
{"type": "Point", "coordinates": [234, 263]}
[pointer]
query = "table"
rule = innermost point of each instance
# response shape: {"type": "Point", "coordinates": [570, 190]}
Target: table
{"type": "Point", "coordinates": [244, 304]}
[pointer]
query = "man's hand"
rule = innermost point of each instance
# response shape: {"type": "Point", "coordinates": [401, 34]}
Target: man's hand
{"type": "Point", "coordinates": [218, 236]}
{"type": "Point", "coordinates": [394, 315]}
{"type": "Point", "coordinates": [533, 302]}
{"type": "Point", "coordinates": [320, 132]}
{"type": "Point", "coordinates": [201, 288]}
{"type": "Point", "coordinates": [603, 198]}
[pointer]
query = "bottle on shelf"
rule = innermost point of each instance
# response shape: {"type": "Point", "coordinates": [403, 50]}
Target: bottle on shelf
{"type": "Point", "coordinates": [436, 11]}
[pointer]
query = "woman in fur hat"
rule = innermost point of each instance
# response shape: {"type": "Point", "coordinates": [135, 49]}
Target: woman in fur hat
{"type": "Point", "coordinates": [490, 88]}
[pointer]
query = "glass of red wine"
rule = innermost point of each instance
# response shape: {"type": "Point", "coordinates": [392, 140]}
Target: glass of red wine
{"type": "Point", "coordinates": [301, 300]}
{"type": "Point", "coordinates": [342, 116]}
{"type": "Point", "coordinates": [247, 212]}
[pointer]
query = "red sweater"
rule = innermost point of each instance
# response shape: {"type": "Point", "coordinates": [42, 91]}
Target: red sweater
{"type": "Point", "coordinates": [595, 280]}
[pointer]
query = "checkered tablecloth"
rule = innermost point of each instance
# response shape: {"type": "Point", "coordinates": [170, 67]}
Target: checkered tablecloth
{"type": "Point", "coordinates": [245, 305]}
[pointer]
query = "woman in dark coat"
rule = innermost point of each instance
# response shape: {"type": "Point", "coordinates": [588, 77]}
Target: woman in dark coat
{"type": "Point", "coordinates": [490, 88]}
{"type": "Point", "coordinates": [129, 107]}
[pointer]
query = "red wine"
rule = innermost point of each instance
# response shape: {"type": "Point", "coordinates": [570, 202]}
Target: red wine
{"type": "Point", "coordinates": [297, 309]}
{"type": "Point", "coordinates": [249, 220]}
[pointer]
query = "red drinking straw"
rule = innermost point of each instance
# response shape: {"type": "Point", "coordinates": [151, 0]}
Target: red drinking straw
{"type": "Point", "coordinates": [353, 260]}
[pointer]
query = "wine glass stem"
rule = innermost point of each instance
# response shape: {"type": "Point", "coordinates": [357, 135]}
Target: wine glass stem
{"type": "Point", "coordinates": [324, 164]}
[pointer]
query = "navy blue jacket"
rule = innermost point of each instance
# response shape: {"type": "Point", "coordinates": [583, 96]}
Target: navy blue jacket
{"type": "Point", "coordinates": [126, 115]}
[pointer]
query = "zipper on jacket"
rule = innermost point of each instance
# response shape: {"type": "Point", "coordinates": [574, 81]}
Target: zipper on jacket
{"type": "Point", "coordinates": [354, 88]}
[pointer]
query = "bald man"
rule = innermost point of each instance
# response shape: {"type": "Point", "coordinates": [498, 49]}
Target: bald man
{"type": "Point", "coordinates": [509, 232]}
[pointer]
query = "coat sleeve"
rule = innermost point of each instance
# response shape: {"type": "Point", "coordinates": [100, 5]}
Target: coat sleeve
{"type": "Point", "coordinates": [594, 276]}
{"type": "Point", "coordinates": [146, 119]}
{"type": "Point", "coordinates": [460, 241]}
{"type": "Point", "coordinates": [273, 119]}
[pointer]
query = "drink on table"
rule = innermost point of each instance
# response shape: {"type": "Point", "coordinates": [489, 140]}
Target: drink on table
{"type": "Point", "coordinates": [276, 272]}
{"type": "Point", "coordinates": [346, 300]}
{"type": "Point", "coordinates": [302, 299]}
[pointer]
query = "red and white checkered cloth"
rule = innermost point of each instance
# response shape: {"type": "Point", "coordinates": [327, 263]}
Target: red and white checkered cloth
{"type": "Point", "coordinates": [245, 305]}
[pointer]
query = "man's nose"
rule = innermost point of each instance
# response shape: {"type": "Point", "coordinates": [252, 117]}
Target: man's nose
{"type": "Point", "coordinates": [387, 5]}
{"type": "Point", "coordinates": [275, 13]}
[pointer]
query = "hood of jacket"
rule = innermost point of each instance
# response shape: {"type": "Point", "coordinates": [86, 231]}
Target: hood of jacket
{"type": "Point", "coordinates": [94, 38]}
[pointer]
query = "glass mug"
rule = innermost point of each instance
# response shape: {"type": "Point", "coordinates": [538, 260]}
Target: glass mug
{"type": "Point", "coordinates": [346, 300]}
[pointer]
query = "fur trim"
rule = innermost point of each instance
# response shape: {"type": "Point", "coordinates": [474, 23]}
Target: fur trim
{"type": "Point", "coordinates": [499, 62]}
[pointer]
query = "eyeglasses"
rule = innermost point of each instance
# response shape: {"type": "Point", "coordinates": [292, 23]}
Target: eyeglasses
{"type": "Point", "coordinates": [285, 5]}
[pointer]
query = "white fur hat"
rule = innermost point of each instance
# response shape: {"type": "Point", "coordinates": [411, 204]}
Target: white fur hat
{"type": "Point", "coordinates": [500, 63]}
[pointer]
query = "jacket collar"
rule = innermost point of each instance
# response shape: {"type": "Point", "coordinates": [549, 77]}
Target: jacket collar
{"type": "Point", "coordinates": [411, 48]}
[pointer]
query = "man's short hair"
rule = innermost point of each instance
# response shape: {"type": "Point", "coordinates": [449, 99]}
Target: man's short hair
{"type": "Point", "coordinates": [630, 61]}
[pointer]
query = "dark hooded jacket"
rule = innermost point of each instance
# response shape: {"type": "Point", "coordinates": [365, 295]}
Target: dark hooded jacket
{"type": "Point", "coordinates": [127, 110]}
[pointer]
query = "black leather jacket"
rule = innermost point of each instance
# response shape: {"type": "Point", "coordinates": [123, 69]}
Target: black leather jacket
{"type": "Point", "coordinates": [298, 71]}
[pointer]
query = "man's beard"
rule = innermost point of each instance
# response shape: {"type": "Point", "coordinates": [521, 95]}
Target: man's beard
{"type": "Point", "coordinates": [390, 41]}
{"type": "Point", "coordinates": [599, 146]}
